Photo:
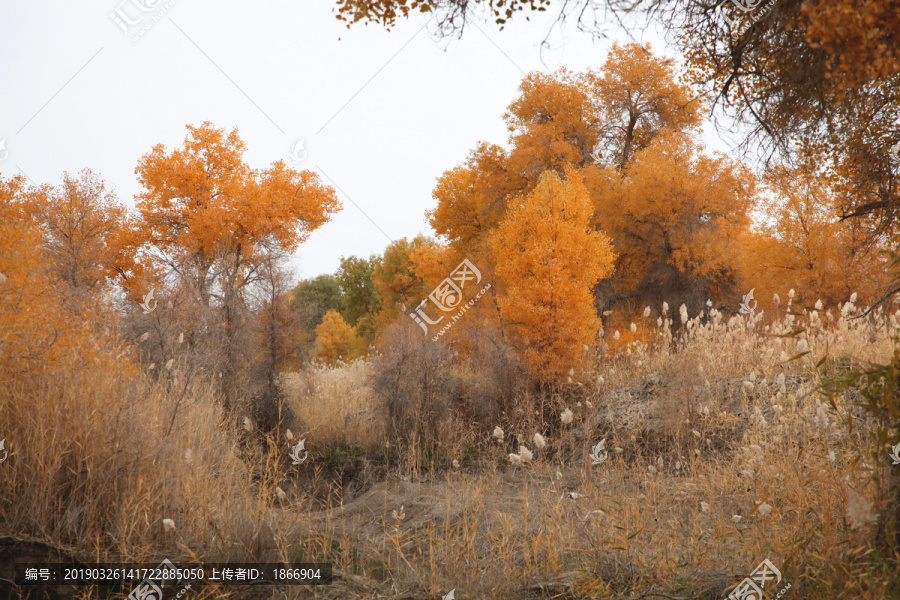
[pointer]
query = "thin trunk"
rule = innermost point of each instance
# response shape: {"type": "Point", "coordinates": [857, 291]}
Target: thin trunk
{"type": "Point", "coordinates": [629, 140]}
{"type": "Point", "coordinates": [273, 348]}
{"type": "Point", "coordinates": [229, 380]}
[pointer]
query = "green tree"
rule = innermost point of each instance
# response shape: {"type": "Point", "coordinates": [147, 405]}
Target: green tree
{"type": "Point", "coordinates": [312, 298]}
{"type": "Point", "coordinates": [359, 298]}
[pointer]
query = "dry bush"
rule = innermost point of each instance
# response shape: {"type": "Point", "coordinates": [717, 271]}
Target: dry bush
{"type": "Point", "coordinates": [442, 393]}
{"type": "Point", "coordinates": [722, 463]}
{"type": "Point", "coordinates": [492, 378]}
{"type": "Point", "coordinates": [713, 374]}
{"type": "Point", "coordinates": [417, 391]}
{"type": "Point", "coordinates": [335, 403]}
{"type": "Point", "coordinates": [734, 407]}
{"type": "Point", "coordinates": [413, 377]}
{"type": "Point", "coordinates": [182, 330]}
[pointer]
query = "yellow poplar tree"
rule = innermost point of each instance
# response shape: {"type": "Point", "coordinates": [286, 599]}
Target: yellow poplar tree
{"type": "Point", "coordinates": [675, 215]}
{"type": "Point", "coordinates": [335, 339]}
{"type": "Point", "coordinates": [38, 328]}
{"type": "Point", "coordinates": [548, 259]}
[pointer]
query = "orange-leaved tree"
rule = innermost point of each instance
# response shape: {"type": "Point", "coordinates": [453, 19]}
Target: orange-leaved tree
{"type": "Point", "coordinates": [214, 222]}
{"type": "Point", "coordinates": [803, 244]}
{"type": "Point", "coordinates": [599, 121]}
{"type": "Point", "coordinates": [471, 201]}
{"type": "Point", "coordinates": [443, 268]}
{"type": "Point", "coordinates": [80, 217]}
{"type": "Point", "coordinates": [208, 213]}
{"type": "Point", "coordinates": [674, 215]}
{"type": "Point", "coordinates": [548, 259]}
{"type": "Point", "coordinates": [600, 116]}
{"type": "Point", "coordinates": [826, 72]}
{"type": "Point", "coordinates": [637, 96]}
{"type": "Point", "coordinates": [471, 198]}
{"type": "Point", "coordinates": [559, 119]}
{"type": "Point", "coordinates": [30, 320]}
{"type": "Point", "coordinates": [37, 327]}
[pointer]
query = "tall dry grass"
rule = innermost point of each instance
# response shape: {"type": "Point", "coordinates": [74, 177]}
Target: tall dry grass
{"type": "Point", "coordinates": [721, 453]}
{"type": "Point", "coordinates": [100, 455]}
{"type": "Point", "coordinates": [335, 403]}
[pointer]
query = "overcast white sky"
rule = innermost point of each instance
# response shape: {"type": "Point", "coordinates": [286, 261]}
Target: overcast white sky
{"type": "Point", "coordinates": [383, 114]}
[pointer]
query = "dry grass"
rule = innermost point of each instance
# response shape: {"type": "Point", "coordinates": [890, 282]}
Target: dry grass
{"type": "Point", "coordinates": [723, 463]}
{"type": "Point", "coordinates": [720, 455]}
{"type": "Point", "coordinates": [335, 403]}
{"type": "Point", "coordinates": [98, 460]}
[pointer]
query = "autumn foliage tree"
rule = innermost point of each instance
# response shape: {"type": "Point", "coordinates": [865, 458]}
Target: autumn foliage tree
{"type": "Point", "coordinates": [38, 327]}
{"type": "Point", "coordinates": [78, 217]}
{"type": "Point", "coordinates": [396, 280]}
{"type": "Point", "coordinates": [671, 211]}
{"type": "Point", "coordinates": [213, 221]}
{"type": "Point", "coordinates": [549, 258]}
{"type": "Point", "coordinates": [335, 339]}
{"type": "Point", "coordinates": [209, 214]}
{"type": "Point", "coordinates": [804, 245]}
{"type": "Point", "coordinates": [810, 75]}
{"type": "Point", "coordinates": [637, 97]}
{"type": "Point", "coordinates": [28, 316]}
{"type": "Point", "coordinates": [600, 116]}
{"type": "Point", "coordinates": [674, 215]}
{"type": "Point", "coordinates": [824, 72]}
{"type": "Point", "coordinates": [54, 258]}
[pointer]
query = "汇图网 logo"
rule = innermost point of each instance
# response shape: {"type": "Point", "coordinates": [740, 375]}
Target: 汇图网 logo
{"type": "Point", "coordinates": [448, 295]}
{"type": "Point", "coordinates": [752, 587]}
{"type": "Point", "coordinates": [136, 17]}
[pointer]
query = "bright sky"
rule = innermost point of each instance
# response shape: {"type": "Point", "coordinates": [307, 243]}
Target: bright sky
{"type": "Point", "coordinates": [381, 114]}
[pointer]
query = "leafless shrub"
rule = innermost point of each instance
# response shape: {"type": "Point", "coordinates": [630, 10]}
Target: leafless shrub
{"type": "Point", "coordinates": [414, 378]}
